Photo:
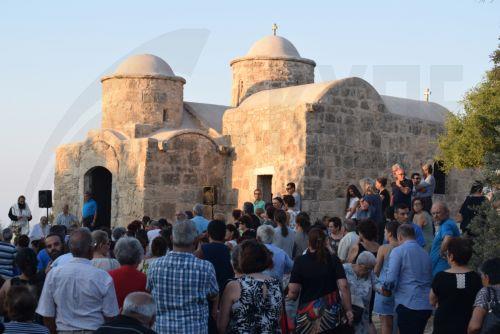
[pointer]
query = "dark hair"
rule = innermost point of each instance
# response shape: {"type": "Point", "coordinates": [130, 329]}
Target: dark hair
{"type": "Point", "coordinates": [237, 214]}
{"type": "Point", "coordinates": [406, 231]}
{"type": "Point", "coordinates": [246, 220]}
{"type": "Point", "coordinates": [23, 241]}
{"type": "Point", "coordinates": [336, 222]}
{"type": "Point", "coordinates": [414, 174]}
{"type": "Point", "coordinates": [233, 230]}
{"type": "Point", "coordinates": [248, 235]}
{"type": "Point", "coordinates": [133, 227]}
{"type": "Point", "coordinates": [392, 228]}
{"type": "Point", "coordinates": [254, 257]}
{"type": "Point", "coordinates": [280, 219]}
{"type": "Point", "coordinates": [217, 230]}
{"type": "Point", "coordinates": [317, 240]}
{"type": "Point", "coordinates": [159, 246]}
{"type": "Point", "coordinates": [476, 187]}
{"type": "Point", "coordinates": [270, 210]}
{"type": "Point", "coordinates": [146, 219]}
{"type": "Point", "coordinates": [167, 235]}
{"type": "Point", "coordinates": [279, 199]}
{"type": "Point", "coordinates": [348, 196]}
{"type": "Point", "coordinates": [491, 268]}
{"type": "Point", "coordinates": [20, 303]}
{"type": "Point", "coordinates": [382, 180]}
{"type": "Point", "coordinates": [61, 237]}
{"type": "Point", "coordinates": [163, 223]}
{"type": "Point", "coordinates": [303, 221]}
{"type": "Point", "coordinates": [189, 214]}
{"type": "Point", "coordinates": [291, 184]}
{"type": "Point", "coordinates": [289, 200]}
{"type": "Point", "coordinates": [415, 200]}
{"type": "Point", "coordinates": [461, 249]}
{"type": "Point", "coordinates": [58, 229]}
{"type": "Point", "coordinates": [401, 206]}
{"type": "Point", "coordinates": [142, 236]}
{"type": "Point", "coordinates": [248, 208]}
{"type": "Point", "coordinates": [368, 228]}
{"type": "Point", "coordinates": [27, 262]}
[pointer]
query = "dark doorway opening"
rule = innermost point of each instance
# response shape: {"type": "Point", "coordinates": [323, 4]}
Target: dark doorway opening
{"type": "Point", "coordinates": [440, 177]}
{"type": "Point", "coordinates": [264, 183]}
{"type": "Point", "coordinates": [98, 181]}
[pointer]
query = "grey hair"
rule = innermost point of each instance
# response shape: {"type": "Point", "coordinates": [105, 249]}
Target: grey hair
{"type": "Point", "coordinates": [265, 234]}
{"type": "Point", "coordinates": [366, 259]}
{"type": "Point", "coordinates": [397, 167]}
{"type": "Point", "coordinates": [442, 205]}
{"type": "Point", "coordinates": [184, 233]}
{"type": "Point", "coordinates": [139, 303]}
{"type": "Point", "coordinates": [80, 242]}
{"type": "Point", "coordinates": [154, 223]}
{"type": "Point", "coordinates": [406, 231]}
{"type": "Point", "coordinates": [118, 232]}
{"type": "Point", "coordinates": [235, 258]}
{"type": "Point", "coordinates": [198, 209]}
{"type": "Point", "coordinates": [7, 234]}
{"type": "Point", "coordinates": [129, 251]}
{"type": "Point", "coordinates": [350, 225]}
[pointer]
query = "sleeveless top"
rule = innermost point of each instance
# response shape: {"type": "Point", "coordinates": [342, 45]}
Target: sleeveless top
{"type": "Point", "coordinates": [255, 311]}
{"type": "Point", "coordinates": [361, 249]}
{"type": "Point", "coordinates": [385, 267]}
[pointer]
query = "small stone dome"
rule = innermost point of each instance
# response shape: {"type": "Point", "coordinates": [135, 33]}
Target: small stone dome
{"type": "Point", "coordinates": [144, 64]}
{"type": "Point", "coordinates": [273, 46]}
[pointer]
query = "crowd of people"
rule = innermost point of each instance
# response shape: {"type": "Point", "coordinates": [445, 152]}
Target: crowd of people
{"type": "Point", "coordinates": [392, 254]}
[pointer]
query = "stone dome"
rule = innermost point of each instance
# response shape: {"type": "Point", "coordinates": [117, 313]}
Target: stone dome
{"type": "Point", "coordinates": [144, 64]}
{"type": "Point", "coordinates": [273, 46]}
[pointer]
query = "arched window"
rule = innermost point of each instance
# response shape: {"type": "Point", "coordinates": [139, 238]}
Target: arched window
{"type": "Point", "coordinates": [440, 178]}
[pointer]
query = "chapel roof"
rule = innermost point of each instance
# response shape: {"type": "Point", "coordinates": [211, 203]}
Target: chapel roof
{"type": "Point", "coordinates": [144, 64]}
{"type": "Point", "coordinates": [273, 46]}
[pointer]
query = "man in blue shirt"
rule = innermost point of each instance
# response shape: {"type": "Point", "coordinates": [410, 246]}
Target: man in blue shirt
{"type": "Point", "coordinates": [200, 222]}
{"type": "Point", "coordinates": [447, 229]}
{"type": "Point", "coordinates": [89, 211]}
{"type": "Point", "coordinates": [409, 278]}
{"type": "Point", "coordinates": [282, 263]}
{"type": "Point", "coordinates": [402, 215]}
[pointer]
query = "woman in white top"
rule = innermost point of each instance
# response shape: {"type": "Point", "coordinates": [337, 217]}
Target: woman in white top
{"type": "Point", "coordinates": [351, 201]}
{"type": "Point", "coordinates": [101, 258]}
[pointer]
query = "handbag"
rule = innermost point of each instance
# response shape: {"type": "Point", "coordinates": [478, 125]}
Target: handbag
{"type": "Point", "coordinates": [491, 323]}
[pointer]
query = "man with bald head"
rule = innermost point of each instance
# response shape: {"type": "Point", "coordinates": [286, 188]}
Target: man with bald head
{"type": "Point", "coordinates": [138, 315]}
{"type": "Point", "coordinates": [77, 297]}
{"type": "Point", "coordinates": [447, 229]}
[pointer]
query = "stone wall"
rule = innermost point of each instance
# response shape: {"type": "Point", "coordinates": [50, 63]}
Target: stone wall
{"type": "Point", "coordinates": [251, 75]}
{"type": "Point", "coordinates": [266, 141]}
{"type": "Point", "coordinates": [147, 101]}
{"type": "Point", "coordinates": [123, 158]}
{"type": "Point", "coordinates": [176, 174]}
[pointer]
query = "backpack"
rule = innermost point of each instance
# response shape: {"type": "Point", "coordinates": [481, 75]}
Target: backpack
{"type": "Point", "coordinates": [491, 323]}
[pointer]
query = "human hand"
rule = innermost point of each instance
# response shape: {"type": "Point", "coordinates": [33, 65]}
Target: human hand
{"type": "Point", "coordinates": [350, 317]}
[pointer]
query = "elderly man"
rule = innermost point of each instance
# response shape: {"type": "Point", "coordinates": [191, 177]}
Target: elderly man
{"type": "Point", "coordinates": [447, 229]}
{"type": "Point", "coordinates": [200, 222]}
{"type": "Point", "coordinates": [401, 187]}
{"type": "Point", "coordinates": [129, 252]}
{"type": "Point", "coordinates": [282, 263]}
{"type": "Point", "coordinates": [409, 278]}
{"type": "Point", "coordinates": [65, 218]}
{"type": "Point", "coordinates": [77, 296]}
{"type": "Point", "coordinates": [40, 230]}
{"type": "Point", "coordinates": [350, 239]}
{"type": "Point", "coordinates": [182, 285]}
{"type": "Point", "coordinates": [137, 317]}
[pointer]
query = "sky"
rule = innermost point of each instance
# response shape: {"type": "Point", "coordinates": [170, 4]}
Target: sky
{"type": "Point", "coordinates": [52, 54]}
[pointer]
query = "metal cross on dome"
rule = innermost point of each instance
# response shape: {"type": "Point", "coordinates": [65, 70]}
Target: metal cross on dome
{"type": "Point", "coordinates": [427, 94]}
{"type": "Point", "coordinates": [274, 28]}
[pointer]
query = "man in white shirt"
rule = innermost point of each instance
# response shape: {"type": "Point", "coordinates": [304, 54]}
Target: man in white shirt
{"type": "Point", "coordinates": [78, 296]}
{"type": "Point", "coordinates": [40, 230]}
{"type": "Point", "coordinates": [350, 239]}
{"type": "Point", "coordinates": [65, 218]}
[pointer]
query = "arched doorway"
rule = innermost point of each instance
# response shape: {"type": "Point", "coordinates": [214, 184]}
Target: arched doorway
{"type": "Point", "coordinates": [98, 181]}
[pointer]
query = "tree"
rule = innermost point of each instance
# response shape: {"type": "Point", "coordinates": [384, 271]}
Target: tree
{"type": "Point", "coordinates": [472, 135]}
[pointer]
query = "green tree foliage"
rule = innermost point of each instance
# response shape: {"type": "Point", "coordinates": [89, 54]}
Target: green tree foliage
{"type": "Point", "coordinates": [472, 134]}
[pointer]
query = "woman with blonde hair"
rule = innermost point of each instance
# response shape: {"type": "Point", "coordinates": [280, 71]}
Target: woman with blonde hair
{"type": "Point", "coordinates": [101, 258]}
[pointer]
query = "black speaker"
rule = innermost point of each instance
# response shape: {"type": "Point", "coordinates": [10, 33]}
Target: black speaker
{"type": "Point", "coordinates": [45, 198]}
{"type": "Point", "coordinates": [209, 195]}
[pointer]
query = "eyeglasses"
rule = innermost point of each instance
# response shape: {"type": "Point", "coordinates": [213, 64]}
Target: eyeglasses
{"type": "Point", "coordinates": [435, 213]}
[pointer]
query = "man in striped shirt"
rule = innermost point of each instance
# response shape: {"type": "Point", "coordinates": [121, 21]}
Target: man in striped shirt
{"type": "Point", "coordinates": [7, 254]}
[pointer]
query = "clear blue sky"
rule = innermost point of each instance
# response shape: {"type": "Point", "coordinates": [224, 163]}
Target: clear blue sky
{"type": "Point", "coordinates": [52, 51]}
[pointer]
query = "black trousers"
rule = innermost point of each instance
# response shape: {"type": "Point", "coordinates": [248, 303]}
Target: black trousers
{"type": "Point", "coordinates": [412, 321]}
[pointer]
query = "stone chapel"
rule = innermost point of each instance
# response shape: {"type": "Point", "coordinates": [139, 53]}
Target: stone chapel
{"type": "Point", "coordinates": [155, 151]}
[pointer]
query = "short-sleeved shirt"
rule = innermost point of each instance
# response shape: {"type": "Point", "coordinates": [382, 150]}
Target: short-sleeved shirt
{"type": "Point", "coordinates": [483, 298]}
{"type": "Point", "coordinates": [284, 242]}
{"type": "Point", "coordinates": [447, 228]}
{"type": "Point", "coordinates": [259, 204]}
{"type": "Point", "coordinates": [201, 223]}
{"type": "Point", "coordinates": [399, 196]}
{"type": "Point", "coordinates": [66, 220]}
{"type": "Point", "coordinates": [456, 294]}
{"type": "Point", "coordinates": [78, 295]}
{"type": "Point", "coordinates": [316, 278]}
{"type": "Point", "coordinates": [180, 284]}
{"type": "Point", "coordinates": [89, 208]}
{"type": "Point", "coordinates": [15, 327]}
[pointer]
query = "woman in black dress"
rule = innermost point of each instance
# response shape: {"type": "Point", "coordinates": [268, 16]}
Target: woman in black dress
{"type": "Point", "coordinates": [454, 290]}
